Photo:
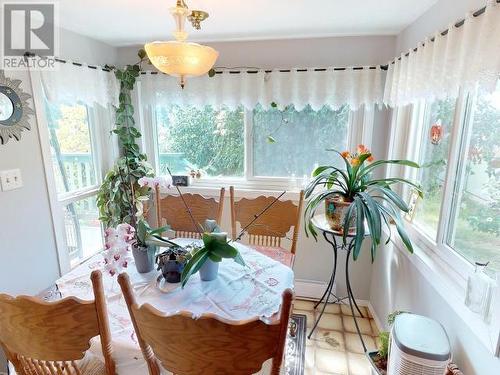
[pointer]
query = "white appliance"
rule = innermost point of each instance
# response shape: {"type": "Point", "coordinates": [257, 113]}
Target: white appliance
{"type": "Point", "coordinates": [419, 346]}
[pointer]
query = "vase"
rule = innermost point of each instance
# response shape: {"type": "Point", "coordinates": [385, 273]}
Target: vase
{"type": "Point", "coordinates": [209, 270]}
{"type": "Point", "coordinates": [336, 208]}
{"type": "Point", "coordinates": [144, 258]}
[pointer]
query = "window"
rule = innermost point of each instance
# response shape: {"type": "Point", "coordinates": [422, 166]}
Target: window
{"type": "Point", "coordinates": [459, 153]}
{"type": "Point", "coordinates": [475, 229]}
{"type": "Point", "coordinates": [434, 149]}
{"type": "Point", "coordinates": [290, 142]}
{"type": "Point", "coordinates": [76, 172]}
{"type": "Point", "coordinates": [266, 144]}
{"type": "Point", "coordinates": [205, 139]}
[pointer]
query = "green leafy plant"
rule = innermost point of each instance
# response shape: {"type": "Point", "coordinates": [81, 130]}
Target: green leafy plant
{"type": "Point", "coordinates": [372, 199]}
{"type": "Point", "coordinates": [121, 198]}
{"type": "Point", "coordinates": [215, 247]}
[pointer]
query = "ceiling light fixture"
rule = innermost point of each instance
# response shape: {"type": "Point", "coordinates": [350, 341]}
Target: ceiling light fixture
{"type": "Point", "coordinates": [179, 58]}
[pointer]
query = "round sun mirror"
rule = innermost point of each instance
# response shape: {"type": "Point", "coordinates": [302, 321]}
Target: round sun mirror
{"type": "Point", "coordinates": [15, 109]}
{"type": "Point", "coordinates": [6, 107]}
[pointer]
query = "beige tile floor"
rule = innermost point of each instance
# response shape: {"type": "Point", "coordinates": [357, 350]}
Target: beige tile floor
{"type": "Point", "coordinates": [335, 347]}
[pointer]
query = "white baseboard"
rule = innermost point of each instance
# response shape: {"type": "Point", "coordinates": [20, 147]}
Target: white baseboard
{"type": "Point", "coordinates": [311, 289]}
{"type": "Point", "coordinates": [376, 319]}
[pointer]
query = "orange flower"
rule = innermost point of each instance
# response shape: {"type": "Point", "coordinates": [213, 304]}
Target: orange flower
{"type": "Point", "coordinates": [370, 159]}
{"type": "Point", "coordinates": [355, 162]}
{"type": "Point", "coordinates": [362, 149]}
{"type": "Point", "coordinates": [345, 154]}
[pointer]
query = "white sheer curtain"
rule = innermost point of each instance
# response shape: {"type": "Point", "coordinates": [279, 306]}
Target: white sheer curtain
{"type": "Point", "coordinates": [71, 84]}
{"type": "Point", "coordinates": [465, 56]}
{"type": "Point", "coordinates": [334, 88]}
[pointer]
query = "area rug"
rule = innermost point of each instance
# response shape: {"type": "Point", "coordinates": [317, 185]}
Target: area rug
{"type": "Point", "coordinates": [295, 348]}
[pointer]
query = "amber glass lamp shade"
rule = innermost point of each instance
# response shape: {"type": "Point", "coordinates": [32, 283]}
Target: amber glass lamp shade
{"type": "Point", "coordinates": [181, 59]}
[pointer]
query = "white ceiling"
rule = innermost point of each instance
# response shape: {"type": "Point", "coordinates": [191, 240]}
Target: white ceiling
{"type": "Point", "coordinates": [128, 22]}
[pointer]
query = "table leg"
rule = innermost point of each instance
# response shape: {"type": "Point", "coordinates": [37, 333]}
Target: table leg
{"type": "Point", "coordinates": [351, 297]}
{"type": "Point", "coordinates": [328, 291]}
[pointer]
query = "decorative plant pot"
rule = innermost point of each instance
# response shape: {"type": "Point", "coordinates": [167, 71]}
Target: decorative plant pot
{"type": "Point", "coordinates": [209, 270]}
{"type": "Point", "coordinates": [336, 208]}
{"type": "Point", "coordinates": [374, 364]}
{"type": "Point", "coordinates": [171, 263]}
{"type": "Point", "coordinates": [144, 258]}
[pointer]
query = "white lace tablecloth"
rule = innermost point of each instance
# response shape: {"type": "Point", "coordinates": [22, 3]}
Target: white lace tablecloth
{"type": "Point", "coordinates": [238, 293]}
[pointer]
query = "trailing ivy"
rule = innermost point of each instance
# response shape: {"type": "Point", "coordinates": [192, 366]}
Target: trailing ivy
{"type": "Point", "coordinates": [120, 198]}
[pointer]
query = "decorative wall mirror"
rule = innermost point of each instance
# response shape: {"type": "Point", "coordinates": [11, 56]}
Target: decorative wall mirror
{"type": "Point", "coordinates": [14, 109]}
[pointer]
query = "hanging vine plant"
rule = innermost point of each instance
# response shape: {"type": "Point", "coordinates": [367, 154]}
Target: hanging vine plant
{"type": "Point", "coordinates": [120, 198]}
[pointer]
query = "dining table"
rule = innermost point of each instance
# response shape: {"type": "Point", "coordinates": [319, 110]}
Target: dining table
{"type": "Point", "coordinates": [238, 293]}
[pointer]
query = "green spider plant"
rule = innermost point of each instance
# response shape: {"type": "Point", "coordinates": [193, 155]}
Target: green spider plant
{"type": "Point", "coordinates": [372, 200]}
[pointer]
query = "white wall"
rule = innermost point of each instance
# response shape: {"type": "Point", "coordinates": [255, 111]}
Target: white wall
{"type": "Point", "coordinates": [437, 18]}
{"type": "Point", "coordinates": [317, 52]}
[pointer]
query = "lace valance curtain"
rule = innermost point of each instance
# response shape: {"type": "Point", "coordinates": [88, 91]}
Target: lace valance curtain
{"type": "Point", "coordinates": [334, 88]}
{"type": "Point", "coordinates": [465, 56]}
{"type": "Point", "coordinates": [72, 84]}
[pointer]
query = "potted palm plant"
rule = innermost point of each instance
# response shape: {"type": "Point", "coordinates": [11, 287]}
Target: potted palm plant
{"type": "Point", "coordinates": [352, 197]}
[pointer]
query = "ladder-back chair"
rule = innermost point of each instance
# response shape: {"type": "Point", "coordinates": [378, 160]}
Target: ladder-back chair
{"type": "Point", "coordinates": [206, 345]}
{"type": "Point", "coordinates": [171, 210]}
{"type": "Point", "coordinates": [51, 338]}
{"type": "Point", "coordinates": [268, 231]}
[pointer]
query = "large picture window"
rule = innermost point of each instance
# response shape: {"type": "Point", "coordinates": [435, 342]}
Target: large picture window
{"type": "Point", "coordinates": [260, 144]}
{"type": "Point", "coordinates": [434, 149]}
{"type": "Point", "coordinates": [201, 139]}
{"type": "Point", "coordinates": [475, 221]}
{"type": "Point", "coordinates": [459, 151]}
{"type": "Point", "coordinates": [290, 142]}
{"type": "Point", "coordinates": [76, 170]}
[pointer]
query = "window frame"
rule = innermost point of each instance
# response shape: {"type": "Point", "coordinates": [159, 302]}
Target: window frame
{"type": "Point", "coordinates": [360, 128]}
{"type": "Point", "coordinates": [103, 156]}
{"type": "Point", "coordinates": [448, 260]}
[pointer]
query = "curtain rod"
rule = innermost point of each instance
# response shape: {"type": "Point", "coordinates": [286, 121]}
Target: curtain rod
{"type": "Point", "coordinates": [255, 71]}
{"type": "Point", "coordinates": [444, 32]}
{"type": "Point", "coordinates": [62, 61]}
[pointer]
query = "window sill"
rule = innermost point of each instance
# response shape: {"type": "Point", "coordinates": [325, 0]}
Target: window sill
{"type": "Point", "coordinates": [242, 188]}
{"type": "Point", "coordinates": [448, 284]}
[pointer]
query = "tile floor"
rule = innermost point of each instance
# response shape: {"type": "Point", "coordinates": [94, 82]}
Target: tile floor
{"type": "Point", "coordinates": [335, 347]}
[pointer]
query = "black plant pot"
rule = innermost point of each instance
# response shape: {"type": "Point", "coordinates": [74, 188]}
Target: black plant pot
{"type": "Point", "coordinates": [374, 366]}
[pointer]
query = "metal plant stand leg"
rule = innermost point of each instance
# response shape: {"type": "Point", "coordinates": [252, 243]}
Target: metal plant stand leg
{"type": "Point", "coordinates": [332, 277]}
{"type": "Point", "coordinates": [351, 297]}
{"type": "Point", "coordinates": [348, 281]}
{"type": "Point", "coordinates": [328, 291]}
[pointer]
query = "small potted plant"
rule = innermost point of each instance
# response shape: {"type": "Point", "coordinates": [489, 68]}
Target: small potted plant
{"type": "Point", "coordinates": [206, 258]}
{"type": "Point", "coordinates": [171, 262]}
{"type": "Point", "coordinates": [378, 358]}
{"type": "Point", "coordinates": [352, 197]}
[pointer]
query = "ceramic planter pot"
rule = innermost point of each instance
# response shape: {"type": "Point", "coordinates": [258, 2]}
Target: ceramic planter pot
{"type": "Point", "coordinates": [336, 208]}
{"type": "Point", "coordinates": [171, 263]}
{"type": "Point", "coordinates": [209, 270]}
{"type": "Point", "coordinates": [144, 258]}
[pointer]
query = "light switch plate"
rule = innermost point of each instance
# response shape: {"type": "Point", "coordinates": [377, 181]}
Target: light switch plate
{"type": "Point", "coordinates": [11, 179]}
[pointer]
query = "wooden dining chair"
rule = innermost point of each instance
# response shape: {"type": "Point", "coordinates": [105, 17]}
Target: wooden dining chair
{"type": "Point", "coordinates": [208, 344]}
{"type": "Point", "coordinates": [172, 210]}
{"type": "Point", "coordinates": [51, 338]}
{"type": "Point", "coordinates": [266, 234]}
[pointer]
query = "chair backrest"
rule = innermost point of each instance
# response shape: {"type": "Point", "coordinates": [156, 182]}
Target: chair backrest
{"type": "Point", "coordinates": [172, 210]}
{"type": "Point", "coordinates": [207, 345]}
{"type": "Point", "coordinates": [47, 338]}
{"type": "Point", "coordinates": [272, 226]}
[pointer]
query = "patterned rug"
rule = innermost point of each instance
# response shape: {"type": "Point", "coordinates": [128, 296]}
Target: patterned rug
{"type": "Point", "coordinates": [295, 350]}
